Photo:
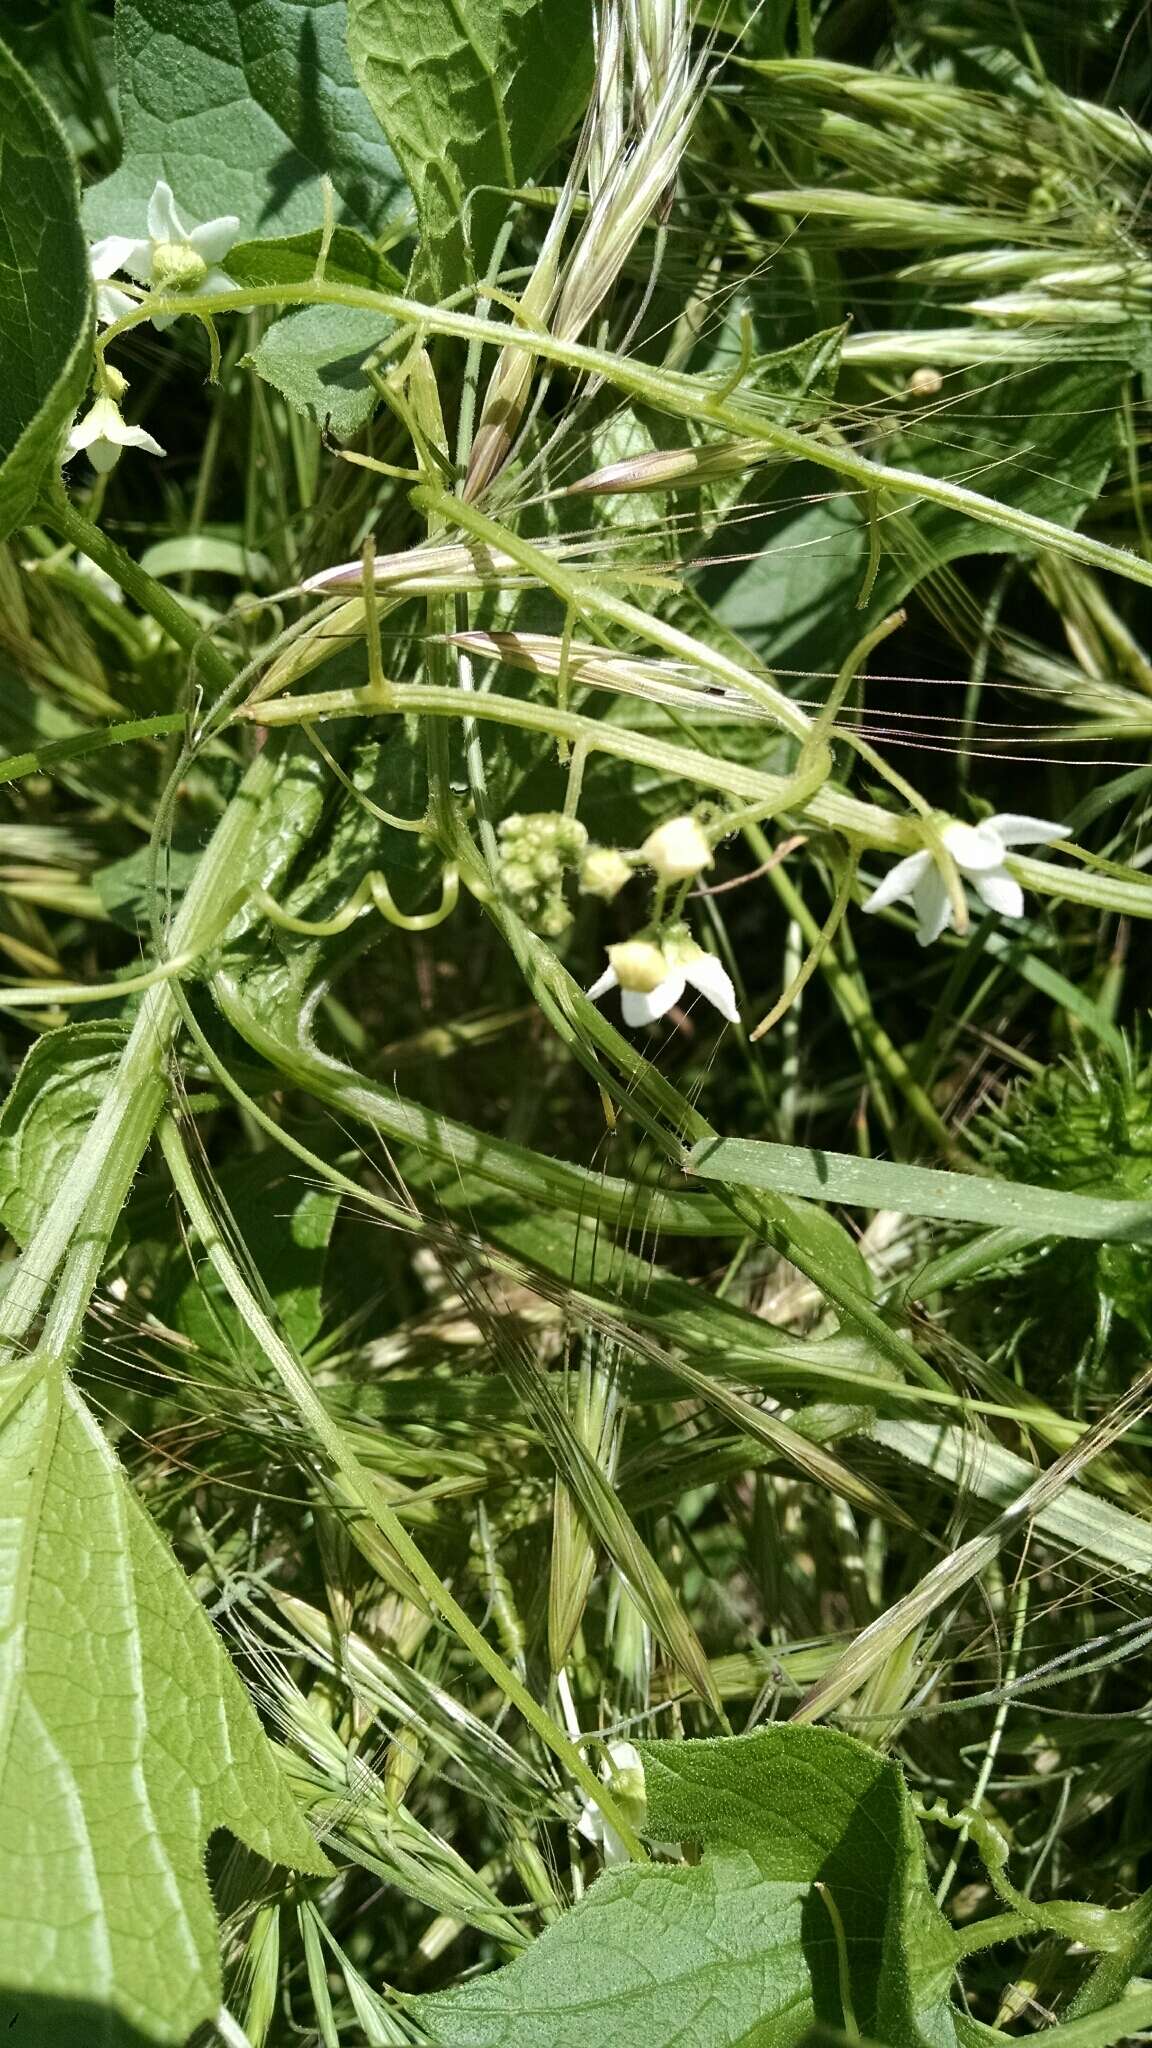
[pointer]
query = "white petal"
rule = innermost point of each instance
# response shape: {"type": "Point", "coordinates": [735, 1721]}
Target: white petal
{"type": "Point", "coordinates": [138, 262]}
{"type": "Point", "coordinates": [707, 973]}
{"type": "Point", "coordinates": [163, 321]}
{"type": "Point", "coordinates": [101, 422]}
{"type": "Point", "coordinates": [104, 455]}
{"type": "Point", "coordinates": [644, 1009]}
{"type": "Point", "coordinates": [164, 223]}
{"type": "Point", "coordinates": [614, 1850]}
{"type": "Point", "coordinates": [933, 905]}
{"type": "Point", "coordinates": [591, 1823]}
{"type": "Point", "coordinates": [600, 988]}
{"type": "Point", "coordinates": [899, 882]}
{"type": "Point", "coordinates": [112, 304]}
{"type": "Point", "coordinates": [213, 239]}
{"type": "Point", "coordinates": [135, 437]}
{"type": "Point", "coordinates": [216, 281]}
{"type": "Point", "coordinates": [973, 847]}
{"type": "Point", "coordinates": [109, 255]}
{"type": "Point", "coordinates": [84, 432]}
{"type": "Point", "coordinates": [1000, 892]}
{"type": "Point", "coordinates": [1014, 828]}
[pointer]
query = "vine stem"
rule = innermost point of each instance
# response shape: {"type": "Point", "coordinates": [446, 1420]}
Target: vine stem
{"type": "Point", "coordinates": [822, 802]}
{"type": "Point", "coordinates": [58, 512]}
{"type": "Point", "coordinates": [367, 1495]}
{"type": "Point", "coordinates": [671, 391]}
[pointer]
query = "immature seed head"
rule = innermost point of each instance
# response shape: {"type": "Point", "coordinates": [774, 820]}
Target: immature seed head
{"type": "Point", "coordinates": [638, 965]}
{"type": "Point", "coordinates": [677, 850]}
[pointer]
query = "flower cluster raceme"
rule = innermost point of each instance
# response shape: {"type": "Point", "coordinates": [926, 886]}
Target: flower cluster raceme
{"type": "Point", "coordinates": [980, 854]}
{"type": "Point", "coordinates": [652, 975]}
{"type": "Point", "coordinates": [537, 850]}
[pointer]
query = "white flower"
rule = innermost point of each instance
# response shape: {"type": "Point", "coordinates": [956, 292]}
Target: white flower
{"type": "Point", "coordinates": [677, 850]}
{"type": "Point", "coordinates": [651, 978]}
{"type": "Point", "coordinates": [623, 1773]}
{"type": "Point", "coordinates": [979, 853]}
{"type": "Point", "coordinates": [172, 259]}
{"type": "Point", "coordinates": [104, 432]}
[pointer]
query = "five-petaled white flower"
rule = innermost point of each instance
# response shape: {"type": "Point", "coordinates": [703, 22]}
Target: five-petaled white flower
{"type": "Point", "coordinates": [172, 259]}
{"type": "Point", "coordinates": [652, 977]}
{"type": "Point", "coordinates": [979, 852]}
{"type": "Point", "coordinates": [105, 433]}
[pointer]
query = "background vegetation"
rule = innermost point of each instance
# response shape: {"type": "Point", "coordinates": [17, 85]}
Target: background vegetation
{"type": "Point", "coordinates": [389, 1341]}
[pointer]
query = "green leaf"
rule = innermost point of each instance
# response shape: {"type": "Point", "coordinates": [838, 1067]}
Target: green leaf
{"type": "Point", "coordinates": [57, 1092]}
{"type": "Point", "coordinates": [292, 259]}
{"type": "Point", "coordinates": [738, 1948]}
{"type": "Point", "coordinates": [315, 359]}
{"type": "Point", "coordinates": [243, 109]}
{"type": "Point", "coordinates": [127, 1739]}
{"type": "Point", "coordinates": [470, 98]}
{"type": "Point", "coordinates": [916, 1190]}
{"type": "Point", "coordinates": [45, 292]}
{"type": "Point", "coordinates": [205, 554]}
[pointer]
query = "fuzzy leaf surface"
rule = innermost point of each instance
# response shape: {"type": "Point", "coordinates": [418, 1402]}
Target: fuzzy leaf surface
{"type": "Point", "coordinates": [126, 1738]}
{"type": "Point", "coordinates": [291, 259]}
{"type": "Point", "coordinates": [469, 97]}
{"type": "Point", "coordinates": [243, 106]}
{"type": "Point", "coordinates": [737, 1948]}
{"type": "Point", "coordinates": [315, 359]}
{"type": "Point", "coordinates": [45, 292]}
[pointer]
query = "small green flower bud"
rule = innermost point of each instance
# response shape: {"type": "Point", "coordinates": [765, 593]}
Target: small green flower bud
{"type": "Point", "coordinates": [677, 850]}
{"type": "Point", "coordinates": [638, 965]}
{"type": "Point", "coordinates": [603, 872]}
{"type": "Point", "coordinates": [176, 267]}
{"type": "Point", "coordinates": [554, 918]}
{"type": "Point", "coordinates": [517, 877]}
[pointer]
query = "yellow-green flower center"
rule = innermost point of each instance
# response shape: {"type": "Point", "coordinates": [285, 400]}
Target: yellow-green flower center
{"type": "Point", "coordinates": [176, 267]}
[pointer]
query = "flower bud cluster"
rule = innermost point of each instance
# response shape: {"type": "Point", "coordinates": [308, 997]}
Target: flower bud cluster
{"type": "Point", "coordinates": [537, 850]}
